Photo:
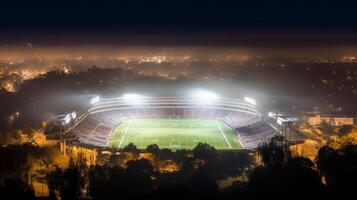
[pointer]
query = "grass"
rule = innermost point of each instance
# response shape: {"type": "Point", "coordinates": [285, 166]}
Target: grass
{"type": "Point", "coordinates": [174, 133]}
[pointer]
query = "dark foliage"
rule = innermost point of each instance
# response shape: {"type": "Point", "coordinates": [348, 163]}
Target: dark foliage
{"type": "Point", "coordinates": [339, 169]}
{"type": "Point", "coordinates": [16, 189]}
{"type": "Point", "coordinates": [280, 176]}
{"type": "Point", "coordinates": [69, 183]}
{"type": "Point", "coordinates": [345, 129]}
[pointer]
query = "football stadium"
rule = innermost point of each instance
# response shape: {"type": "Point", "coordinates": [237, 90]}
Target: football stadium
{"type": "Point", "coordinates": [172, 122]}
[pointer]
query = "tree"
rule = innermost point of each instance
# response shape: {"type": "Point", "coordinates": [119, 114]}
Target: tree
{"type": "Point", "coordinates": [282, 175]}
{"type": "Point", "coordinates": [139, 175]}
{"type": "Point", "coordinates": [204, 151]}
{"type": "Point", "coordinates": [153, 148]}
{"type": "Point", "coordinates": [140, 169]}
{"type": "Point", "coordinates": [202, 184]}
{"type": "Point", "coordinates": [69, 183]}
{"type": "Point", "coordinates": [293, 176]}
{"type": "Point", "coordinates": [326, 128]}
{"type": "Point", "coordinates": [16, 189]}
{"type": "Point", "coordinates": [113, 182]}
{"type": "Point", "coordinates": [339, 168]}
{"type": "Point", "coordinates": [327, 159]}
{"type": "Point", "coordinates": [275, 152]}
{"type": "Point", "coordinates": [106, 182]}
{"type": "Point", "coordinates": [130, 148]}
{"type": "Point", "coordinates": [345, 129]}
{"type": "Point", "coordinates": [28, 159]}
{"type": "Point", "coordinates": [231, 164]}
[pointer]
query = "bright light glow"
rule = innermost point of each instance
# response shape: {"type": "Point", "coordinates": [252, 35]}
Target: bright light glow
{"type": "Point", "coordinates": [280, 121]}
{"type": "Point", "coordinates": [95, 100]}
{"type": "Point", "coordinates": [133, 99]}
{"type": "Point", "coordinates": [204, 96]}
{"type": "Point", "coordinates": [67, 119]}
{"type": "Point", "coordinates": [9, 87]}
{"type": "Point", "coordinates": [132, 96]}
{"type": "Point", "coordinates": [250, 100]}
{"type": "Point", "coordinates": [271, 114]}
{"type": "Point", "coordinates": [74, 115]}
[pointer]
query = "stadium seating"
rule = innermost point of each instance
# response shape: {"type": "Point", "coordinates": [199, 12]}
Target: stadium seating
{"type": "Point", "coordinates": [96, 128]}
{"type": "Point", "coordinates": [253, 134]}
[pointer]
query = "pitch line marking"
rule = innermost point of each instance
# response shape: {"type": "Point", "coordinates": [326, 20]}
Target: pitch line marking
{"type": "Point", "coordinates": [223, 134]}
{"type": "Point", "coordinates": [124, 134]}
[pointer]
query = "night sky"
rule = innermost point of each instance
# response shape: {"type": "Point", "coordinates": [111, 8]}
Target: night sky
{"type": "Point", "coordinates": [245, 23]}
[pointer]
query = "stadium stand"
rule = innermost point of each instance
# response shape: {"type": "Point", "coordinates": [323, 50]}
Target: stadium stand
{"type": "Point", "coordinates": [96, 127]}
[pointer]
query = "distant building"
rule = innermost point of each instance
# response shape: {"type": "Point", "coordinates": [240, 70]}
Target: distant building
{"type": "Point", "coordinates": [331, 120]}
{"type": "Point", "coordinates": [281, 119]}
{"type": "Point", "coordinates": [74, 151]}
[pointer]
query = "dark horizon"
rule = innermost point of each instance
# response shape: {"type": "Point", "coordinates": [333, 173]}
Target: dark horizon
{"type": "Point", "coordinates": [250, 39]}
{"type": "Point", "coordinates": [242, 24]}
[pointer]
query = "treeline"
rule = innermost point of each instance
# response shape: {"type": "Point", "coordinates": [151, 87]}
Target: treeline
{"type": "Point", "coordinates": [21, 165]}
{"type": "Point", "coordinates": [280, 175]}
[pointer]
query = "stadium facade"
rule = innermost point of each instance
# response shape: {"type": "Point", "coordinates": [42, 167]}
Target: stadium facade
{"type": "Point", "coordinates": [96, 126]}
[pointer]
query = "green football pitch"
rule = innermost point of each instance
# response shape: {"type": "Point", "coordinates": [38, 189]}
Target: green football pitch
{"type": "Point", "coordinates": [174, 134]}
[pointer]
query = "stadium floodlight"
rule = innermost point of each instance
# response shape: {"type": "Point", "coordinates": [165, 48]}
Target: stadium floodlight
{"type": "Point", "coordinates": [67, 119]}
{"type": "Point", "coordinates": [133, 98]}
{"type": "Point", "coordinates": [272, 115]}
{"type": "Point", "coordinates": [250, 100]}
{"type": "Point", "coordinates": [74, 115]}
{"type": "Point", "coordinates": [204, 96]}
{"type": "Point", "coordinates": [95, 100]}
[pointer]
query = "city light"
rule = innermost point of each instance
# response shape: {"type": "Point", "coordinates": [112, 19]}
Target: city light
{"type": "Point", "coordinates": [250, 100]}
